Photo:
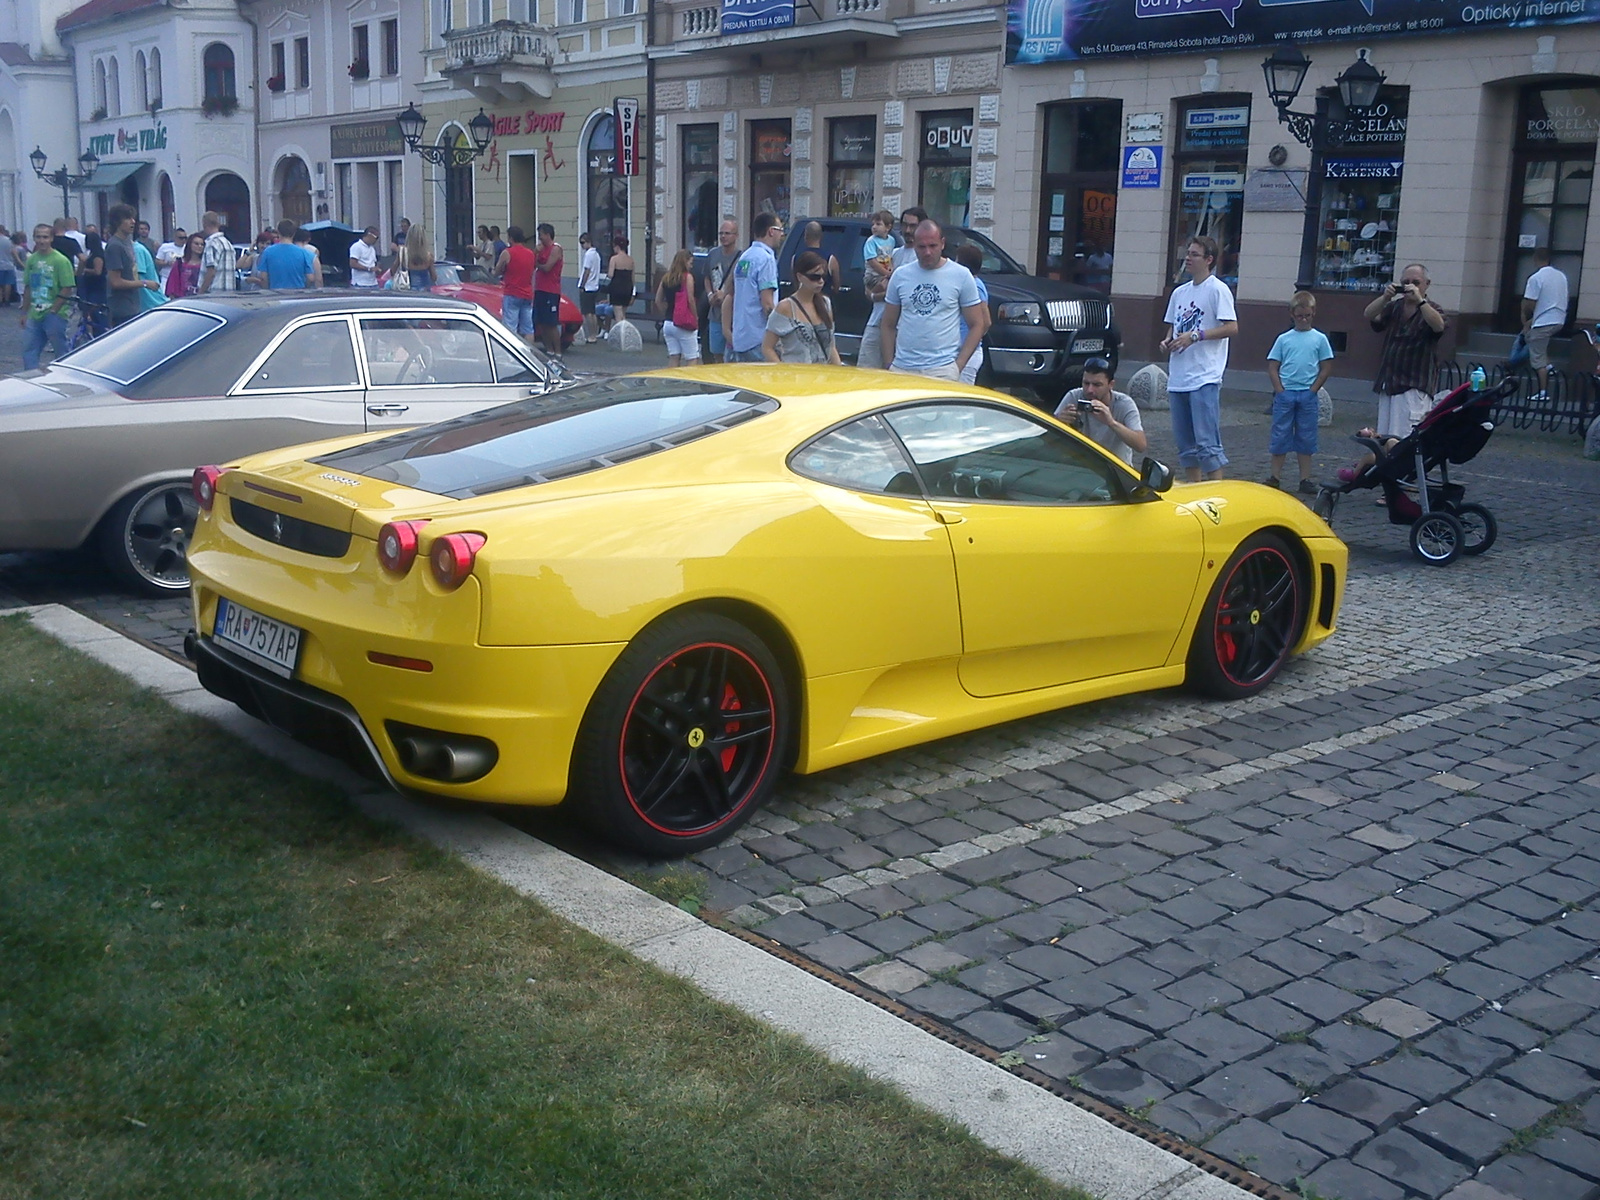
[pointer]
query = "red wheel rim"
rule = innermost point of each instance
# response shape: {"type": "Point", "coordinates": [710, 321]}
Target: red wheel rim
{"type": "Point", "coordinates": [1256, 611]}
{"type": "Point", "coordinates": [697, 739]}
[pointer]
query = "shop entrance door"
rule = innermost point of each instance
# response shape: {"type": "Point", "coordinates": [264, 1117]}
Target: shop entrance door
{"type": "Point", "coordinates": [1078, 196]}
{"type": "Point", "coordinates": [1551, 183]}
{"type": "Point", "coordinates": [458, 213]}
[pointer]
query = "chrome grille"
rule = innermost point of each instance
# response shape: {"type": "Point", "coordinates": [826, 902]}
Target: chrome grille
{"type": "Point", "coordinates": [1077, 314]}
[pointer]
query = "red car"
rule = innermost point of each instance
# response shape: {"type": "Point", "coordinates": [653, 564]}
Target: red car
{"type": "Point", "coordinates": [462, 282]}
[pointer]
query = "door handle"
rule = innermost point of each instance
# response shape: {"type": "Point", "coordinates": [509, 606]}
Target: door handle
{"type": "Point", "coordinates": [387, 410]}
{"type": "Point", "coordinates": [947, 518]}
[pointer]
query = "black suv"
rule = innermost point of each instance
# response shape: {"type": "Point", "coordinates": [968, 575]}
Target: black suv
{"type": "Point", "coordinates": [1043, 329]}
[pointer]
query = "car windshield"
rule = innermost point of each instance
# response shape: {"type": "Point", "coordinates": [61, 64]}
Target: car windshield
{"type": "Point", "coordinates": [544, 438]}
{"type": "Point", "coordinates": [446, 274]}
{"type": "Point", "coordinates": [131, 351]}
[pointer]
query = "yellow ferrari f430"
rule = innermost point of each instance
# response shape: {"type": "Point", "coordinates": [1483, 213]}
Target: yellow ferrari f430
{"type": "Point", "coordinates": [649, 596]}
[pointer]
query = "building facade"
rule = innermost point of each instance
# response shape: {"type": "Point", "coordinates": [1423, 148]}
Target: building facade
{"type": "Point", "coordinates": [1480, 150]}
{"type": "Point", "coordinates": [854, 106]}
{"type": "Point", "coordinates": [551, 74]}
{"type": "Point", "coordinates": [164, 102]}
{"type": "Point", "coordinates": [35, 91]}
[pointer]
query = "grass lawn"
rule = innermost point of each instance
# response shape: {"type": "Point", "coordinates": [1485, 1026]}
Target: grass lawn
{"type": "Point", "coordinates": [219, 980]}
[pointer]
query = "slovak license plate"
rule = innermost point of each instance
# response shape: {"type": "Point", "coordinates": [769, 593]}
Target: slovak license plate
{"type": "Point", "coordinates": [1089, 345]}
{"type": "Point", "coordinates": [262, 640]}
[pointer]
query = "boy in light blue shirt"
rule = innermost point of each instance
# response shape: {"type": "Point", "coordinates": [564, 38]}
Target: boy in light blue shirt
{"type": "Point", "coordinates": [1298, 364]}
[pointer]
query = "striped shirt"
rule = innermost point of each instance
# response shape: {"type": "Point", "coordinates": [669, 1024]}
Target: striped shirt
{"type": "Point", "coordinates": [1408, 359]}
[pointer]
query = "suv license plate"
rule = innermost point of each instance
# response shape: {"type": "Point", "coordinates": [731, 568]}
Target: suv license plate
{"type": "Point", "coordinates": [1089, 346]}
{"type": "Point", "coordinates": [262, 640]}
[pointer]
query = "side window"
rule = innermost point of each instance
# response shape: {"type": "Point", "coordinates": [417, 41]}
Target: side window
{"type": "Point", "coordinates": [313, 356]}
{"type": "Point", "coordinates": [405, 351]}
{"type": "Point", "coordinates": [862, 456]}
{"type": "Point", "coordinates": [972, 452]}
{"type": "Point", "coordinates": [508, 368]}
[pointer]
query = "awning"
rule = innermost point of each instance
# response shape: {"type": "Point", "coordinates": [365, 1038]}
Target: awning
{"type": "Point", "coordinates": [108, 175]}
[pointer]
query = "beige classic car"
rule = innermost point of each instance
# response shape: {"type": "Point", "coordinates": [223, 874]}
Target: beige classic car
{"type": "Point", "coordinates": [101, 445]}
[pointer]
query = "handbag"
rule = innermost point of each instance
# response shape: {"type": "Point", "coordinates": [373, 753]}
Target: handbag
{"type": "Point", "coordinates": [683, 314]}
{"type": "Point", "coordinates": [1518, 355]}
{"type": "Point", "coordinates": [400, 277]}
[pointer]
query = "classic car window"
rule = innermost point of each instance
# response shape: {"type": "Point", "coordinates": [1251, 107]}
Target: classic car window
{"type": "Point", "coordinates": [508, 368]}
{"type": "Point", "coordinates": [973, 452]}
{"type": "Point", "coordinates": [542, 438]}
{"type": "Point", "coordinates": [862, 456]}
{"type": "Point", "coordinates": [132, 350]}
{"type": "Point", "coordinates": [446, 274]}
{"type": "Point", "coordinates": [405, 351]}
{"type": "Point", "coordinates": [318, 355]}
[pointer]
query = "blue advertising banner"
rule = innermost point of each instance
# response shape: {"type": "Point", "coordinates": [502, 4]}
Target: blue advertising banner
{"type": "Point", "coordinates": [1141, 166]}
{"type": "Point", "coordinates": [751, 16]}
{"type": "Point", "coordinates": [1056, 30]}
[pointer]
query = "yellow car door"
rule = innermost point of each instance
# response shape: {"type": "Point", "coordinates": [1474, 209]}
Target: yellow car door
{"type": "Point", "coordinates": [1063, 574]}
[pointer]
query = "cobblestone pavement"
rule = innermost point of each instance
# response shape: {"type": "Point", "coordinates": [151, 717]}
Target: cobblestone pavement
{"type": "Point", "coordinates": [1338, 934]}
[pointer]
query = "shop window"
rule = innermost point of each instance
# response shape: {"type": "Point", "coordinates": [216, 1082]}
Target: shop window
{"type": "Point", "coordinates": [852, 165]}
{"type": "Point", "coordinates": [1551, 183]}
{"type": "Point", "coordinates": [391, 47]}
{"type": "Point", "coordinates": [607, 192]}
{"type": "Point", "coordinates": [302, 63]}
{"type": "Point", "coordinates": [701, 211]}
{"type": "Point", "coordinates": [218, 66]}
{"type": "Point", "coordinates": [1078, 196]}
{"type": "Point", "coordinates": [944, 169]}
{"type": "Point", "coordinates": [1208, 170]}
{"type": "Point", "coordinates": [769, 169]}
{"type": "Point", "coordinates": [1358, 217]}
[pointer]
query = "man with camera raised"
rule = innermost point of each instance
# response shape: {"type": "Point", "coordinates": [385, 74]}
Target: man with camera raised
{"type": "Point", "coordinates": [1109, 418]}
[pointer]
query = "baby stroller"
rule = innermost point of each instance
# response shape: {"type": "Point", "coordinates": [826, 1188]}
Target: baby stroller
{"type": "Point", "coordinates": [1414, 474]}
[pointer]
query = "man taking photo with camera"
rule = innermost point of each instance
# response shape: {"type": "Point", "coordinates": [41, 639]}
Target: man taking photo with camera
{"type": "Point", "coordinates": [1103, 415]}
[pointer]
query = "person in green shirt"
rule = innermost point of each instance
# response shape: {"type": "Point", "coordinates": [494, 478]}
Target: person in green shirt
{"type": "Point", "coordinates": [48, 284]}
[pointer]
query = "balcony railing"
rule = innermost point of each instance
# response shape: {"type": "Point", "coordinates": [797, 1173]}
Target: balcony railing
{"type": "Point", "coordinates": [857, 8]}
{"type": "Point", "coordinates": [700, 22]}
{"type": "Point", "coordinates": [505, 43]}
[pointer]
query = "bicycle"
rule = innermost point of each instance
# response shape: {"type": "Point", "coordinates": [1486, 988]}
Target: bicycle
{"type": "Point", "coordinates": [87, 322]}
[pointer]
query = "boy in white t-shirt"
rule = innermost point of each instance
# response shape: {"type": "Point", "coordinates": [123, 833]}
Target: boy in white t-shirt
{"type": "Point", "coordinates": [1200, 320]}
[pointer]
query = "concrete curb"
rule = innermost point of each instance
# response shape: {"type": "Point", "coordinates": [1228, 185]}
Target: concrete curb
{"type": "Point", "coordinates": [1058, 1139]}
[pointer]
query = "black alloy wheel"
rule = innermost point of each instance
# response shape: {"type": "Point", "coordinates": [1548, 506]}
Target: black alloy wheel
{"type": "Point", "coordinates": [685, 737]}
{"type": "Point", "coordinates": [1251, 620]}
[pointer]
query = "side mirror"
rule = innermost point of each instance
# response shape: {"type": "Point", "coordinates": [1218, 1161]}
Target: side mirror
{"type": "Point", "coordinates": [1155, 476]}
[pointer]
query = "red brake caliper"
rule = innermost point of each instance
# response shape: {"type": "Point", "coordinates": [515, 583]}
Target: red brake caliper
{"type": "Point", "coordinates": [1227, 648]}
{"type": "Point", "coordinates": [730, 703]}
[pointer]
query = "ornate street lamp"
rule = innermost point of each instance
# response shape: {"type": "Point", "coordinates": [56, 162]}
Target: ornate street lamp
{"type": "Point", "coordinates": [412, 123]}
{"type": "Point", "coordinates": [63, 178]}
{"type": "Point", "coordinates": [1318, 131]}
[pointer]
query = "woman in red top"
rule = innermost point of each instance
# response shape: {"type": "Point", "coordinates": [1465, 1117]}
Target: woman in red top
{"type": "Point", "coordinates": [514, 268]}
{"type": "Point", "coordinates": [547, 290]}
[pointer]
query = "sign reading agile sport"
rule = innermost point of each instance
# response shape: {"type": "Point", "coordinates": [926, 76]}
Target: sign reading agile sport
{"type": "Point", "coordinates": [1057, 30]}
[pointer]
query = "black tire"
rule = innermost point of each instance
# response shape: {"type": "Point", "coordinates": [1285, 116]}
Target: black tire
{"type": "Point", "coordinates": [662, 764]}
{"type": "Point", "coordinates": [1251, 620]}
{"type": "Point", "coordinates": [1478, 528]}
{"type": "Point", "coordinates": [144, 539]}
{"type": "Point", "coordinates": [1437, 538]}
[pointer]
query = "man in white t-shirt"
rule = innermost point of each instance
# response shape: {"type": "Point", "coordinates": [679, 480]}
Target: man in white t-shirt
{"type": "Point", "coordinates": [1544, 312]}
{"type": "Point", "coordinates": [1200, 320]}
{"type": "Point", "coordinates": [924, 307]}
{"type": "Point", "coordinates": [364, 258]}
{"type": "Point", "coordinates": [589, 272]}
{"type": "Point", "coordinates": [168, 253]}
{"type": "Point", "coordinates": [870, 352]}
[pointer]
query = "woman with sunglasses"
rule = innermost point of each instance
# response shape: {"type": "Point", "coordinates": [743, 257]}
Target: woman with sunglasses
{"type": "Point", "coordinates": [800, 329]}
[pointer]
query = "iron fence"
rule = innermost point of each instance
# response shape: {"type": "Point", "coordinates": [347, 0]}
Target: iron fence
{"type": "Point", "coordinates": [1571, 400]}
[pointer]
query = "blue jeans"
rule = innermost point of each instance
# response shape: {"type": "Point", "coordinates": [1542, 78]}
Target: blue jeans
{"type": "Point", "coordinates": [1197, 427]}
{"type": "Point", "coordinates": [743, 356]}
{"type": "Point", "coordinates": [715, 342]}
{"type": "Point", "coordinates": [52, 326]}
{"type": "Point", "coordinates": [1294, 422]}
{"type": "Point", "coordinates": [517, 313]}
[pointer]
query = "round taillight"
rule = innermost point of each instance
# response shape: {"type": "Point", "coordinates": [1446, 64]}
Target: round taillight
{"type": "Point", "coordinates": [204, 486]}
{"type": "Point", "coordinates": [397, 545]}
{"type": "Point", "coordinates": [452, 557]}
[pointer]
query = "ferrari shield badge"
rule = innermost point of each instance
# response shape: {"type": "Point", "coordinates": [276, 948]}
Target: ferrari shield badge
{"type": "Point", "coordinates": [1211, 508]}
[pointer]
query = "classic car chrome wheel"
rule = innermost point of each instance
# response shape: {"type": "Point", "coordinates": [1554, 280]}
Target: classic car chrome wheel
{"type": "Point", "coordinates": [145, 538]}
{"type": "Point", "coordinates": [685, 737]}
{"type": "Point", "coordinates": [1251, 621]}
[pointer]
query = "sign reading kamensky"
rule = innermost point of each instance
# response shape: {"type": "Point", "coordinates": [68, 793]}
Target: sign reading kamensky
{"type": "Point", "coordinates": [1057, 30]}
{"type": "Point", "coordinates": [751, 16]}
{"type": "Point", "coordinates": [626, 113]}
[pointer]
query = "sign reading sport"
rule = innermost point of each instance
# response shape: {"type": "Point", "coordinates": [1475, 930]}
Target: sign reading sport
{"type": "Point", "coordinates": [1054, 30]}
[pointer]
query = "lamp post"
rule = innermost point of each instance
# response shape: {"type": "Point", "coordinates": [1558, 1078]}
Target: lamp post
{"type": "Point", "coordinates": [1333, 122]}
{"type": "Point", "coordinates": [412, 123]}
{"type": "Point", "coordinates": [63, 178]}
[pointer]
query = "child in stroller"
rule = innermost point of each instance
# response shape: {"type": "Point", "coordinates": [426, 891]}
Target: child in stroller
{"type": "Point", "coordinates": [1418, 465]}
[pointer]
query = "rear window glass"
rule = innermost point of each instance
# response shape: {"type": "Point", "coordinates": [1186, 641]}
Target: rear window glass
{"type": "Point", "coordinates": [132, 350]}
{"type": "Point", "coordinates": [552, 437]}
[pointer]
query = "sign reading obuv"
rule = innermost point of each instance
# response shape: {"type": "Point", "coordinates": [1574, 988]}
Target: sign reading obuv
{"type": "Point", "coordinates": [1055, 30]}
{"type": "Point", "coordinates": [750, 16]}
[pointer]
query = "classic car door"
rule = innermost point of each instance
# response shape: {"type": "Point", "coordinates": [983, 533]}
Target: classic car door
{"type": "Point", "coordinates": [306, 386]}
{"type": "Point", "coordinates": [425, 368]}
{"type": "Point", "coordinates": [1061, 576]}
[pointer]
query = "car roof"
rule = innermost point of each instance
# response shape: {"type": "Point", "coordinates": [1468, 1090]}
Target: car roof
{"type": "Point", "coordinates": [282, 307]}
